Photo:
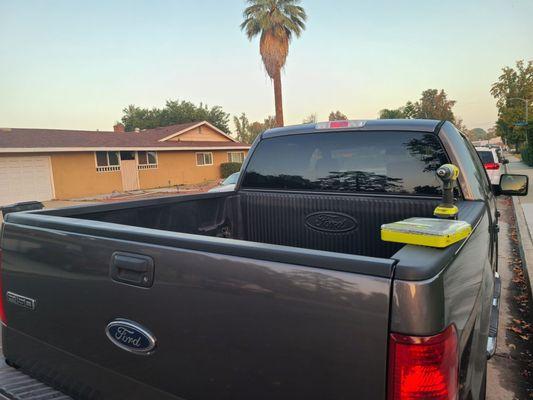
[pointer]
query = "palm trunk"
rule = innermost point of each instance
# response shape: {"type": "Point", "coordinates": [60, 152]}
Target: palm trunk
{"type": "Point", "coordinates": [278, 99]}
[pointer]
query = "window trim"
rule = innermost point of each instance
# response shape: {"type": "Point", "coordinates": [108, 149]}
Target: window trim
{"type": "Point", "coordinates": [236, 152]}
{"type": "Point", "coordinates": [204, 153]}
{"type": "Point", "coordinates": [108, 167]}
{"type": "Point", "coordinates": [148, 165]}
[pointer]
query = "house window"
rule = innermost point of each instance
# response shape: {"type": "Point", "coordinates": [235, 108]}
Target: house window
{"type": "Point", "coordinates": [147, 159]}
{"type": "Point", "coordinates": [107, 161]}
{"type": "Point", "coordinates": [204, 159]}
{"type": "Point", "coordinates": [236, 156]}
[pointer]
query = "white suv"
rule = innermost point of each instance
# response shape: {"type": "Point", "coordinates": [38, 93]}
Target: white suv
{"type": "Point", "coordinates": [491, 162]}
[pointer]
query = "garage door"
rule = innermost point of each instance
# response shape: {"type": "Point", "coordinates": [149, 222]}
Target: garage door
{"type": "Point", "coordinates": [25, 179]}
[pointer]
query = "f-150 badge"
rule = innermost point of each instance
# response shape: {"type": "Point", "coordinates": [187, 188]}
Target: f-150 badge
{"type": "Point", "coordinates": [21, 301]}
{"type": "Point", "coordinates": [130, 336]}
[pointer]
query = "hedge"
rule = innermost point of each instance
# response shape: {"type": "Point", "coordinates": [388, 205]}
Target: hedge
{"type": "Point", "coordinates": [527, 156]}
{"type": "Point", "coordinates": [226, 169]}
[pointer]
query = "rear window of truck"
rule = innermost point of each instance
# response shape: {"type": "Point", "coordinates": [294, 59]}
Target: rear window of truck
{"type": "Point", "coordinates": [357, 162]}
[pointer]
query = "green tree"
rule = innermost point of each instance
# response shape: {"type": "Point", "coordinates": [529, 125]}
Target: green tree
{"type": "Point", "coordinates": [246, 132]}
{"type": "Point", "coordinates": [337, 116]}
{"type": "Point", "coordinates": [242, 128]}
{"type": "Point", "coordinates": [435, 105]}
{"type": "Point", "coordinates": [174, 112]}
{"type": "Point", "coordinates": [257, 128]}
{"type": "Point", "coordinates": [392, 114]}
{"type": "Point", "coordinates": [512, 84]}
{"type": "Point", "coordinates": [410, 110]}
{"type": "Point", "coordinates": [459, 124]}
{"type": "Point", "coordinates": [269, 122]}
{"type": "Point", "coordinates": [276, 22]}
{"type": "Point", "coordinates": [310, 119]}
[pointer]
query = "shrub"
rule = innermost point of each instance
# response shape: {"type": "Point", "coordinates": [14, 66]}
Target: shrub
{"type": "Point", "coordinates": [527, 156]}
{"type": "Point", "coordinates": [226, 169]}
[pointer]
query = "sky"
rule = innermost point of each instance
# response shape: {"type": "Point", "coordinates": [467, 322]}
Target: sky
{"type": "Point", "coordinates": [76, 64]}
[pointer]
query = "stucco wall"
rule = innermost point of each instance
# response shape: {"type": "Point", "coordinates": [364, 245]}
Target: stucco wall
{"type": "Point", "coordinates": [75, 176]}
{"type": "Point", "coordinates": [179, 167]}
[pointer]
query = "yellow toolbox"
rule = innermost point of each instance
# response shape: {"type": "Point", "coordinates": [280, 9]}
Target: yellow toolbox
{"type": "Point", "coordinates": [431, 232]}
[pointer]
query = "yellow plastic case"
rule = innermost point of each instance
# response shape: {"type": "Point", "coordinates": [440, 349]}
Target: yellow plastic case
{"type": "Point", "coordinates": [431, 232]}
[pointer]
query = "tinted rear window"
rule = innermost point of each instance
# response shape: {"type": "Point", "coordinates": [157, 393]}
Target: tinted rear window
{"type": "Point", "coordinates": [486, 156]}
{"type": "Point", "coordinates": [367, 162]}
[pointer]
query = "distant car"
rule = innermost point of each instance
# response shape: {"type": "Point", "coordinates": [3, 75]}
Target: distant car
{"type": "Point", "coordinates": [499, 151]}
{"type": "Point", "coordinates": [227, 184]}
{"type": "Point", "coordinates": [492, 162]}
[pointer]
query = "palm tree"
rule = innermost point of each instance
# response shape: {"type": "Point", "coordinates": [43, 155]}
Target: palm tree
{"type": "Point", "coordinates": [276, 21]}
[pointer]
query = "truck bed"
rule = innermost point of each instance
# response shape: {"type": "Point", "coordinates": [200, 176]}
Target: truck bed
{"type": "Point", "coordinates": [271, 217]}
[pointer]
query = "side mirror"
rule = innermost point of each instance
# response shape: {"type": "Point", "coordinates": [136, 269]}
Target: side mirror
{"type": "Point", "coordinates": [505, 161]}
{"type": "Point", "coordinates": [513, 185]}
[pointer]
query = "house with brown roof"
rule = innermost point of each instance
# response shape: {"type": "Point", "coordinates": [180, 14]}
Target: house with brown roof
{"type": "Point", "coordinates": [44, 164]}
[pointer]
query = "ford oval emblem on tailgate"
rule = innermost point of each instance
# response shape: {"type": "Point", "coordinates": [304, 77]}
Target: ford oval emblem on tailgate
{"type": "Point", "coordinates": [130, 336]}
{"type": "Point", "coordinates": [327, 221]}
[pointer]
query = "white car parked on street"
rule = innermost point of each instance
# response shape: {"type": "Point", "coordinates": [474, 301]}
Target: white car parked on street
{"type": "Point", "coordinates": [492, 163]}
{"type": "Point", "coordinates": [227, 184]}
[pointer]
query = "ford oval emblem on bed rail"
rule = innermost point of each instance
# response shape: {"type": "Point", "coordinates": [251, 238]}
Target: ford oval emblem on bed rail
{"type": "Point", "coordinates": [332, 222]}
{"type": "Point", "coordinates": [130, 336]}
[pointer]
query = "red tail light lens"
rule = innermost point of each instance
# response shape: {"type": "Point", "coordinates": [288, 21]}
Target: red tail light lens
{"type": "Point", "coordinates": [2, 311]}
{"type": "Point", "coordinates": [340, 124]}
{"type": "Point", "coordinates": [423, 367]}
{"type": "Point", "coordinates": [492, 166]}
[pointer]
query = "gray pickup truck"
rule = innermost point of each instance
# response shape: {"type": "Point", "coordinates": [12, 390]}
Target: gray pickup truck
{"type": "Point", "coordinates": [281, 289]}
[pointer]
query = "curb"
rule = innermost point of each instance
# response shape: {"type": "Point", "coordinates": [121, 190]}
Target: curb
{"type": "Point", "coordinates": [525, 242]}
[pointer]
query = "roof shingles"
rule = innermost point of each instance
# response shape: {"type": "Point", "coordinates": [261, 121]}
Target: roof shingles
{"type": "Point", "coordinates": [72, 140]}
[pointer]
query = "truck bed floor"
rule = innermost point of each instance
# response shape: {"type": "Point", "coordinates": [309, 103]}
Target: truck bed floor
{"type": "Point", "coordinates": [16, 385]}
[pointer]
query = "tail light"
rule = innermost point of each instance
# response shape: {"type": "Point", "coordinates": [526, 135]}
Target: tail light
{"type": "Point", "coordinates": [2, 310]}
{"type": "Point", "coordinates": [340, 124]}
{"type": "Point", "coordinates": [491, 166]}
{"type": "Point", "coordinates": [423, 367]}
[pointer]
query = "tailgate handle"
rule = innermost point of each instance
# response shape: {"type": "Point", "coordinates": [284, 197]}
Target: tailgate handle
{"type": "Point", "coordinates": [133, 269]}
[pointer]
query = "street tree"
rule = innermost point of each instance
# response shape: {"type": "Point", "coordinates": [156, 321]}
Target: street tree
{"type": "Point", "coordinates": [276, 22]}
{"type": "Point", "coordinates": [337, 116]}
{"type": "Point", "coordinates": [512, 89]}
